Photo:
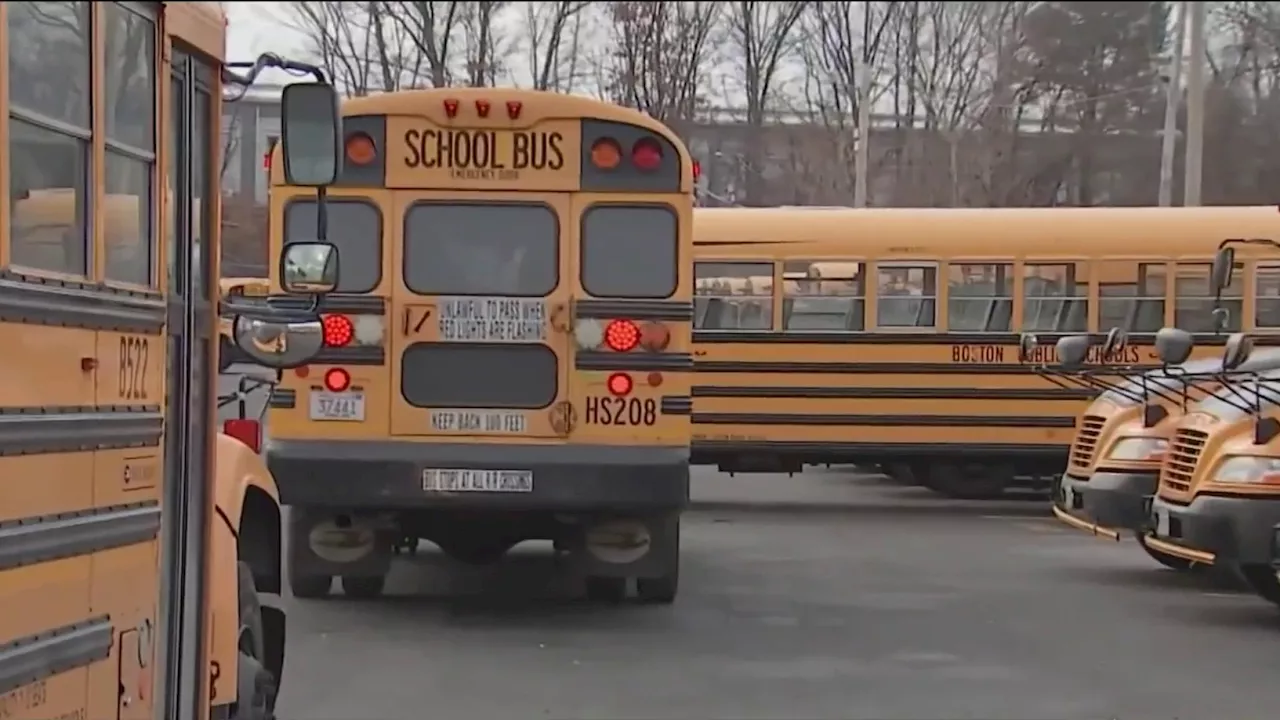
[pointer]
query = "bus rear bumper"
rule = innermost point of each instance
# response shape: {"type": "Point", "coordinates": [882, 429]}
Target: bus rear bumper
{"type": "Point", "coordinates": [376, 475]}
{"type": "Point", "coordinates": [1219, 529]}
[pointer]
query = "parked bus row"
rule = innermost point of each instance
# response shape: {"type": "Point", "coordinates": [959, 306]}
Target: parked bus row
{"type": "Point", "coordinates": [1185, 458]}
{"type": "Point", "coordinates": [890, 336]}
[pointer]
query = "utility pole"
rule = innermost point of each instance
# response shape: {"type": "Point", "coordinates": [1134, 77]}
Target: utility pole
{"type": "Point", "coordinates": [862, 153]}
{"type": "Point", "coordinates": [1195, 105]}
{"type": "Point", "coordinates": [1173, 93]}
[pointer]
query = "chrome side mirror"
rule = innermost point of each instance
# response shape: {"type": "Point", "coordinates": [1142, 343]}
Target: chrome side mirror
{"type": "Point", "coordinates": [1173, 345]}
{"type": "Point", "coordinates": [1115, 342]}
{"type": "Point", "coordinates": [1224, 261]}
{"type": "Point", "coordinates": [309, 268]}
{"type": "Point", "coordinates": [1027, 344]}
{"type": "Point", "coordinates": [1238, 348]}
{"type": "Point", "coordinates": [281, 344]}
{"type": "Point", "coordinates": [1073, 350]}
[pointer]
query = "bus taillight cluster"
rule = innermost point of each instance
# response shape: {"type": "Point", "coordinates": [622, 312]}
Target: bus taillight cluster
{"type": "Point", "coordinates": [621, 335]}
{"type": "Point", "coordinates": [646, 154]}
{"type": "Point", "coordinates": [344, 330]}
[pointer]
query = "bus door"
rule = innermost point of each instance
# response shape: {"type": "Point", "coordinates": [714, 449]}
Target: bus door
{"type": "Point", "coordinates": [479, 315]}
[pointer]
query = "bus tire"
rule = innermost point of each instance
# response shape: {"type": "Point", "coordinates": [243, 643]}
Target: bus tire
{"type": "Point", "coordinates": [970, 481]}
{"type": "Point", "coordinates": [309, 587]}
{"type": "Point", "coordinates": [659, 590]}
{"type": "Point", "coordinates": [601, 588]}
{"type": "Point", "coordinates": [1263, 581]}
{"type": "Point", "coordinates": [363, 587]}
{"type": "Point", "coordinates": [476, 550]}
{"type": "Point", "coordinates": [256, 687]}
{"type": "Point", "coordinates": [1172, 562]}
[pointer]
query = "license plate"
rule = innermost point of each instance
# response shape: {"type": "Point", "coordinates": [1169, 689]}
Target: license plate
{"type": "Point", "coordinates": [460, 480]}
{"type": "Point", "coordinates": [345, 406]}
{"type": "Point", "coordinates": [1162, 522]}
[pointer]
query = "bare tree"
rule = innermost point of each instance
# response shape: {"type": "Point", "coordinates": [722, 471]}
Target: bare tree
{"type": "Point", "coordinates": [843, 64]}
{"type": "Point", "coordinates": [430, 28]}
{"type": "Point", "coordinates": [659, 57]}
{"type": "Point", "coordinates": [483, 44]}
{"type": "Point", "coordinates": [762, 35]}
{"type": "Point", "coordinates": [553, 32]}
{"type": "Point", "coordinates": [359, 44]}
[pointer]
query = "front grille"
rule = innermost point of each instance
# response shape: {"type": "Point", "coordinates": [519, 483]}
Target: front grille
{"type": "Point", "coordinates": [1180, 464]}
{"type": "Point", "coordinates": [1086, 442]}
{"type": "Point", "coordinates": [479, 375]}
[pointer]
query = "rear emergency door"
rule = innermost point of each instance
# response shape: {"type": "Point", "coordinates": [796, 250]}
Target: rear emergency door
{"type": "Point", "coordinates": [480, 315]}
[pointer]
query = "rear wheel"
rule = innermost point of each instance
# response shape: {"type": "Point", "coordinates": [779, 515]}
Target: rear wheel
{"type": "Point", "coordinates": [606, 589]}
{"type": "Point", "coordinates": [659, 590]}
{"type": "Point", "coordinates": [310, 586]}
{"type": "Point", "coordinates": [1262, 579]}
{"type": "Point", "coordinates": [363, 587]}
{"type": "Point", "coordinates": [256, 687]}
{"type": "Point", "coordinates": [969, 481]}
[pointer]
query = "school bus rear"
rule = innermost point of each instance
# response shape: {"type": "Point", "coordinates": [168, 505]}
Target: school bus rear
{"type": "Point", "coordinates": [508, 353]}
{"type": "Point", "coordinates": [891, 336]}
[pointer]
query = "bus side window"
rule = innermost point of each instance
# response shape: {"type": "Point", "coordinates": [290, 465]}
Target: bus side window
{"type": "Point", "coordinates": [1055, 297]}
{"type": "Point", "coordinates": [1193, 299]}
{"type": "Point", "coordinates": [906, 295]}
{"type": "Point", "coordinates": [824, 296]}
{"type": "Point", "coordinates": [733, 296]}
{"type": "Point", "coordinates": [980, 297]}
{"type": "Point", "coordinates": [1131, 296]}
{"type": "Point", "coordinates": [1266, 286]}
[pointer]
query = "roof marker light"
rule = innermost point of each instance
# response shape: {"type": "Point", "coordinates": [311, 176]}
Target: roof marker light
{"type": "Point", "coordinates": [482, 108]}
{"type": "Point", "coordinates": [451, 108]}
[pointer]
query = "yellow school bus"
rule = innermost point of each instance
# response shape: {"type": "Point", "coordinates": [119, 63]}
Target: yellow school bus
{"type": "Point", "coordinates": [891, 336]}
{"type": "Point", "coordinates": [1218, 501]}
{"type": "Point", "coordinates": [508, 354]}
{"type": "Point", "coordinates": [1123, 437]}
{"type": "Point", "coordinates": [139, 549]}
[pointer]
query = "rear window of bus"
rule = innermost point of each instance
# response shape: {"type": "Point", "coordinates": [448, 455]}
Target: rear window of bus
{"type": "Point", "coordinates": [630, 251]}
{"type": "Point", "coordinates": [508, 249]}
{"type": "Point", "coordinates": [355, 228]}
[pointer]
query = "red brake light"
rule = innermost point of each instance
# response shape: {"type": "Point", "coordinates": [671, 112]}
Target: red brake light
{"type": "Point", "coordinates": [451, 107]}
{"type": "Point", "coordinates": [697, 170]}
{"type": "Point", "coordinates": [338, 330]}
{"type": "Point", "coordinates": [247, 431]}
{"type": "Point", "coordinates": [621, 336]}
{"type": "Point", "coordinates": [646, 154]}
{"type": "Point", "coordinates": [337, 380]}
{"type": "Point", "coordinates": [619, 384]}
{"type": "Point", "coordinates": [655, 337]}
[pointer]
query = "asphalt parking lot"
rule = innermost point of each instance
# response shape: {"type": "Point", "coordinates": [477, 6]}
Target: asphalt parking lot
{"type": "Point", "coordinates": [900, 610]}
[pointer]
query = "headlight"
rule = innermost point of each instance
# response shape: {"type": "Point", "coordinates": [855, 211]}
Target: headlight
{"type": "Point", "coordinates": [1244, 469]}
{"type": "Point", "coordinates": [1138, 448]}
